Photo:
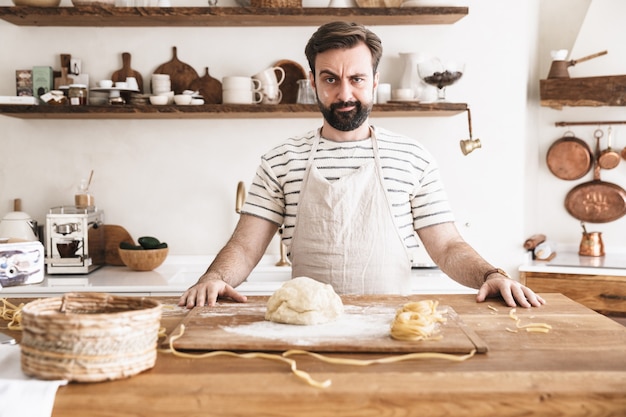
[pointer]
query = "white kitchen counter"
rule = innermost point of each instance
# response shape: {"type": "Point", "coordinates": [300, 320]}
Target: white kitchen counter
{"type": "Point", "coordinates": [569, 262]}
{"type": "Point", "coordinates": [178, 273]}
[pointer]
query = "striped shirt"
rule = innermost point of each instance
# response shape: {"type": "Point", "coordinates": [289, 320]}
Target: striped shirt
{"type": "Point", "coordinates": [411, 178]}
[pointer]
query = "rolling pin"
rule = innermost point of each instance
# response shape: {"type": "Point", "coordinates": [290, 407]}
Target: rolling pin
{"type": "Point", "coordinates": [532, 242]}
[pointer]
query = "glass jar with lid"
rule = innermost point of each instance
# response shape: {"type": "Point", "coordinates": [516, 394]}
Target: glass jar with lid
{"type": "Point", "coordinates": [78, 94]}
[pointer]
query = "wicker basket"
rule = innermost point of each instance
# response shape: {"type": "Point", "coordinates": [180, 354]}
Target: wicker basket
{"type": "Point", "coordinates": [143, 259]}
{"type": "Point", "coordinates": [276, 3]}
{"type": "Point", "coordinates": [89, 337]}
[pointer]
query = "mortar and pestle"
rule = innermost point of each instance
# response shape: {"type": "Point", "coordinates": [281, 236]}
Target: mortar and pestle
{"type": "Point", "coordinates": [558, 69]}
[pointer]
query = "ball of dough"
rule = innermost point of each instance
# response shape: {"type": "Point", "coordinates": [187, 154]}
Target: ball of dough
{"type": "Point", "coordinates": [304, 301]}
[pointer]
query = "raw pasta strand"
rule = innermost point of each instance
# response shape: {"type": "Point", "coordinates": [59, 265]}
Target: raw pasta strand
{"type": "Point", "coordinates": [387, 359]}
{"type": "Point", "coordinates": [292, 363]}
{"type": "Point", "coordinates": [530, 327]}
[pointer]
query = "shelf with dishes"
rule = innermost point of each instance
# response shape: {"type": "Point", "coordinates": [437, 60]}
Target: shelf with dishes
{"type": "Point", "coordinates": [109, 16]}
{"type": "Point", "coordinates": [218, 111]}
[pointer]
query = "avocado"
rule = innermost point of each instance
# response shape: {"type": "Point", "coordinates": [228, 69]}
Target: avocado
{"type": "Point", "coordinates": [128, 245]}
{"type": "Point", "coordinates": [149, 242]}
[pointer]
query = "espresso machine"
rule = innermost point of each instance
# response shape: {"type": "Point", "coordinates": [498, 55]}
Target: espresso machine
{"type": "Point", "coordinates": [74, 240]}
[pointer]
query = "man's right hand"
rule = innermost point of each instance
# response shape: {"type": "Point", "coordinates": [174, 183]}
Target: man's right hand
{"type": "Point", "coordinates": [207, 292]}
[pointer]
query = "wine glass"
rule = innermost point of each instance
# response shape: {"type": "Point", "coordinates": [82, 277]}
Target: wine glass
{"type": "Point", "coordinates": [440, 74]}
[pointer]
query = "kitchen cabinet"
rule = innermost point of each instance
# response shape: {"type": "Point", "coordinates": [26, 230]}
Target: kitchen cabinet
{"type": "Point", "coordinates": [603, 293]}
{"type": "Point", "coordinates": [86, 16]}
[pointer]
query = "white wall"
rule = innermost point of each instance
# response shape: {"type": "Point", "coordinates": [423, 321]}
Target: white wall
{"type": "Point", "coordinates": [592, 26]}
{"type": "Point", "coordinates": [176, 179]}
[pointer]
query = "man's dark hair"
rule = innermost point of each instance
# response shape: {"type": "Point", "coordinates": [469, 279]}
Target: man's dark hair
{"type": "Point", "coordinates": [342, 35]}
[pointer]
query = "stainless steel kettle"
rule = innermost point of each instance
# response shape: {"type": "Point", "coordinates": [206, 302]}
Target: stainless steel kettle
{"type": "Point", "coordinates": [18, 225]}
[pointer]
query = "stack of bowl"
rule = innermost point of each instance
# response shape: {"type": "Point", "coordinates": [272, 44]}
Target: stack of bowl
{"type": "Point", "coordinates": [161, 89]}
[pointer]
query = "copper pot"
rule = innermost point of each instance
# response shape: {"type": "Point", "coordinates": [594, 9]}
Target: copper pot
{"type": "Point", "coordinates": [609, 158]}
{"type": "Point", "coordinates": [591, 243]}
{"type": "Point", "coordinates": [558, 69]}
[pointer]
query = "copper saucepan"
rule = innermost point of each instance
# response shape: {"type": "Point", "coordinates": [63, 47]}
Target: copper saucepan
{"type": "Point", "coordinates": [596, 201]}
{"type": "Point", "coordinates": [609, 158]}
{"type": "Point", "coordinates": [569, 158]}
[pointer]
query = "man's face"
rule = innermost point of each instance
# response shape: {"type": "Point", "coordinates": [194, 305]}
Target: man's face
{"type": "Point", "coordinates": [344, 86]}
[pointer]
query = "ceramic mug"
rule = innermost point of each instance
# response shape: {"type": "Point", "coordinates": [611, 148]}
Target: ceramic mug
{"type": "Point", "coordinates": [132, 83]}
{"type": "Point", "coordinates": [271, 94]}
{"type": "Point", "coordinates": [403, 94]}
{"type": "Point", "coordinates": [269, 77]}
{"type": "Point", "coordinates": [241, 96]}
{"type": "Point", "coordinates": [383, 93]}
{"type": "Point", "coordinates": [68, 248]}
{"type": "Point", "coordinates": [241, 83]}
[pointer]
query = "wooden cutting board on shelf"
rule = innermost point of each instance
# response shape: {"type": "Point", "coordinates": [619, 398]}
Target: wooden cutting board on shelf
{"type": "Point", "coordinates": [364, 327]}
{"type": "Point", "coordinates": [113, 236]}
{"type": "Point", "coordinates": [126, 71]}
{"type": "Point", "coordinates": [209, 88]}
{"type": "Point", "coordinates": [181, 74]}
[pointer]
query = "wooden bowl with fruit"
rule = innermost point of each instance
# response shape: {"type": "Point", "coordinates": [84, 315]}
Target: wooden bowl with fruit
{"type": "Point", "coordinates": [148, 255]}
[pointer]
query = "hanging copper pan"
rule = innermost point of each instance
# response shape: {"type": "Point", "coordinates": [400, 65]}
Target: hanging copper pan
{"type": "Point", "coordinates": [609, 158]}
{"type": "Point", "coordinates": [596, 201]}
{"type": "Point", "coordinates": [569, 158]}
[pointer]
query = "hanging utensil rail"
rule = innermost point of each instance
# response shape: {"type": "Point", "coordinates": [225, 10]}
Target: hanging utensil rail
{"type": "Point", "coordinates": [614, 122]}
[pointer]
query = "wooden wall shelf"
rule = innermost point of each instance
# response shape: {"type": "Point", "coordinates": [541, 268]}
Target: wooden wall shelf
{"type": "Point", "coordinates": [98, 16]}
{"type": "Point", "coordinates": [583, 91]}
{"type": "Point", "coordinates": [215, 111]}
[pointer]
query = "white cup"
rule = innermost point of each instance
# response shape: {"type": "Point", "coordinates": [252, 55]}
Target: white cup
{"type": "Point", "coordinates": [241, 96]}
{"type": "Point", "coordinates": [105, 83]}
{"type": "Point", "coordinates": [268, 76]}
{"type": "Point", "coordinates": [403, 94]}
{"type": "Point", "coordinates": [121, 84]}
{"type": "Point", "coordinates": [271, 94]}
{"type": "Point", "coordinates": [383, 93]}
{"type": "Point", "coordinates": [240, 83]}
{"type": "Point", "coordinates": [132, 83]}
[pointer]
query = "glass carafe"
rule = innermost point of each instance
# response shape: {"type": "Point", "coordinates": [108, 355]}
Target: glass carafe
{"type": "Point", "coordinates": [306, 95]}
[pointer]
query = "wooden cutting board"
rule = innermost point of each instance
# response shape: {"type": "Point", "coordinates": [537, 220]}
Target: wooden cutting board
{"type": "Point", "coordinates": [293, 73]}
{"type": "Point", "coordinates": [113, 236]}
{"type": "Point", "coordinates": [126, 71]}
{"type": "Point", "coordinates": [181, 74]}
{"type": "Point", "coordinates": [209, 88]}
{"type": "Point", "coordinates": [63, 80]}
{"type": "Point", "coordinates": [364, 327]}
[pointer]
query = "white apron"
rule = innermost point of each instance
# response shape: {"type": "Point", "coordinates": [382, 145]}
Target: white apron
{"type": "Point", "coordinates": [345, 234]}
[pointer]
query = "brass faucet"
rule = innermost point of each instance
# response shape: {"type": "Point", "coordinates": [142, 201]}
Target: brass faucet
{"type": "Point", "coordinates": [239, 200]}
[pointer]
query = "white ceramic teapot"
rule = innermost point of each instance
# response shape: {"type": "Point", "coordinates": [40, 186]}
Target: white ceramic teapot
{"type": "Point", "coordinates": [18, 225]}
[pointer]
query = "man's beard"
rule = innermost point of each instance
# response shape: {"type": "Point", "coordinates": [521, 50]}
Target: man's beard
{"type": "Point", "coordinates": [345, 121]}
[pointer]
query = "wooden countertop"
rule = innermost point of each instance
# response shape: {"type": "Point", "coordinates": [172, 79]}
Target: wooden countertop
{"type": "Point", "coordinates": [578, 368]}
